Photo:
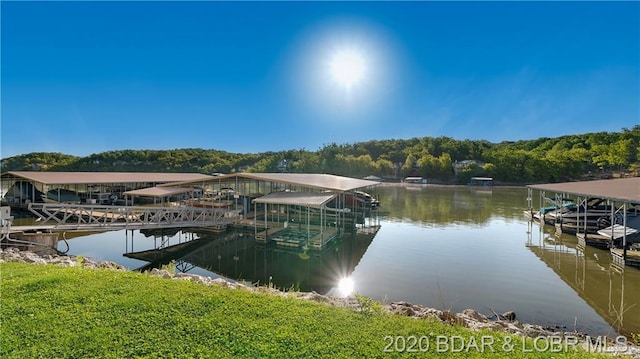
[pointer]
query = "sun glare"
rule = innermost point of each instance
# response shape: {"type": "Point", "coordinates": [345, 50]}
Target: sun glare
{"type": "Point", "coordinates": [345, 286]}
{"type": "Point", "coordinates": [347, 67]}
{"type": "Point", "coordinates": [344, 70]}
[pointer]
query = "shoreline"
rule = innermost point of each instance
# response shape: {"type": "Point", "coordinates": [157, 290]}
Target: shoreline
{"type": "Point", "coordinates": [468, 318]}
{"type": "Point", "coordinates": [427, 185]}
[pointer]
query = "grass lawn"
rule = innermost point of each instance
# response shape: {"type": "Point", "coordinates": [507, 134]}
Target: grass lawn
{"type": "Point", "coordinates": [53, 311]}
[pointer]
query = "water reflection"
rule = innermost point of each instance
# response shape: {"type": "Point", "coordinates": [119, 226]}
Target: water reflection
{"type": "Point", "coordinates": [236, 255]}
{"type": "Point", "coordinates": [592, 274]}
{"type": "Point", "coordinates": [445, 205]}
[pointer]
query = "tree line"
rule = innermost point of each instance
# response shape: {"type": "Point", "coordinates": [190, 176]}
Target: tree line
{"type": "Point", "coordinates": [441, 159]}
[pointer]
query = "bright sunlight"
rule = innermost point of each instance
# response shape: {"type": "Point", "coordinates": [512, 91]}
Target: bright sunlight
{"type": "Point", "coordinates": [345, 287]}
{"type": "Point", "coordinates": [347, 67]}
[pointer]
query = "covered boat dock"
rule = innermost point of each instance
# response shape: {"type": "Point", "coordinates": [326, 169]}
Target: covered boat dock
{"type": "Point", "coordinates": [157, 193]}
{"type": "Point", "coordinates": [295, 228]}
{"type": "Point", "coordinates": [293, 209]}
{"type": "Point", "coordinates": [23, 187]}
{"type": "Point", "coordinates": [623, 200]}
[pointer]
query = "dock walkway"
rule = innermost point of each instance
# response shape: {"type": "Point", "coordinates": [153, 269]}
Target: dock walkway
{"type": "Point", "coordinates": [59, 217]}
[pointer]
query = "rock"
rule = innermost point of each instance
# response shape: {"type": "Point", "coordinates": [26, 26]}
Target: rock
{"type": "Point", "coordinates": [88, 262]}
{"type": "Point", "coordinates": [431, 313]}
{"type": "Point", "coordinates": [511, 328]}
{"type": "Point", "coordinates": [90, 265]}
{"type": "Point", "coordinates": [35, 260]}
{"type": "Point", "coordinates": [450, 317]}
{"type": "Point", "coordinates": [510, 316]}
{"type": "Point", "coordinates": [192, 277]}
{"type": "Point", "coordinates": [413, 310]}
{"type": "Point", "coordinates": [534, 331]}
{"type": "Point", "coordinates": [203, 280]}
{"type": "Point", "coordinates": [108, 265]}
{"type": "Point", "coordinates": [315, 297]}
{"type": "Point", "coordinates": [221, 282]}
{"type": "Point", "coordinates": [475, 315]}
{"type": "Point", "coordinates": [403, 308]}
{"type": "Point", "coordinates": [162, 273]}
{"type": "Point", "coordinates": [489, 325]}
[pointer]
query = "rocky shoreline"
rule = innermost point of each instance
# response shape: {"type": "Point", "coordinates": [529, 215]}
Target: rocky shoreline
{"type": "Point", "coordinates": [468, 318]}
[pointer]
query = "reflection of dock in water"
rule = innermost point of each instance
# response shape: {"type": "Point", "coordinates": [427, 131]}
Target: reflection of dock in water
{"type": "Point", "coordinates": [632, 257]}
{"type": "Point", "coordinates": [611, 290]}
{"type": "Point", "coordinates": [286, 268]}
{"type": "Point", "coordinates": [165, 252]}
{"type": "Point", "coordinates": [157, 257]}
{"type": "Point", "coordinates": [237, 256]}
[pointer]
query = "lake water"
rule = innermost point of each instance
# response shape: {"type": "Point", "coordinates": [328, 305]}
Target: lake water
{"type": "Point", "coordinates": [448, 247]}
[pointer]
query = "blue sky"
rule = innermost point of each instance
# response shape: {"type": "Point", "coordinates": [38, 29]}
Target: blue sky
{"type": "Point", "coordinates": [87, 77]}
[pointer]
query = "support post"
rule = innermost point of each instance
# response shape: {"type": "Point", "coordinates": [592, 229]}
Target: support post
{"type": "Point", "coordinates": [624, 234]}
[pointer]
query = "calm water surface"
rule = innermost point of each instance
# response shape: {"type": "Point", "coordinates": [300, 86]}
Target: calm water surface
{"type": "Point", "coordinates": [444, 247]}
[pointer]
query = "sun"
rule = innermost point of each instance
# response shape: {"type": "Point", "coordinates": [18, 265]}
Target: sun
{"type": "Point", "coordinates": [346, 286]}
{"type": "Point", "coordinates": [347, 67]}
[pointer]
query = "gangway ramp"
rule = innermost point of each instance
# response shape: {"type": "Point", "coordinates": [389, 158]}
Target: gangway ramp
{"type": "Point", "coordinates": [60, 216]}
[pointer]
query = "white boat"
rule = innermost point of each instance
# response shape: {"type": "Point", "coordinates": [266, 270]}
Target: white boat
{"type": "Point", "coordinates": [571, 217]}
{"type": "Point", "coordinates": [617, 232]}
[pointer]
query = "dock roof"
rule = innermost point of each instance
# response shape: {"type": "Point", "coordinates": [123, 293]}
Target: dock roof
{"type": "Point", "coordinates": [158, 191]}
{"type": "Point", "coordinates": [621, 189]}
{"type": "Point", "coordinates": [103, 177]}
{"type": "Point", "coordinates": [306, 199]}
{"type": "Point", "coordinates": [312, 180]}
{"type": "Point", "coordinates": [309, 180]}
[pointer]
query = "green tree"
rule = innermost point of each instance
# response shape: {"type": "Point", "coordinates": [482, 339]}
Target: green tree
{"type": "Point", "coordinates": [409, 164]}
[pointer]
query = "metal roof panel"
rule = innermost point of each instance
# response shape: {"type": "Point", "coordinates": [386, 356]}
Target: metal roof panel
{"type": "Point", "coordinates": [623, 189]}
{"type": "Point", "coordinates": [307, 199]}
{"type": "Point", "coordinates": [158, 191]}
{"type": "Point", "coordinates": [105, 177]}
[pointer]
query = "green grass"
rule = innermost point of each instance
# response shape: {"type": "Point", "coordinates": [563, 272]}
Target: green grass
{"type": "Point", "coordinates": [51, 311]}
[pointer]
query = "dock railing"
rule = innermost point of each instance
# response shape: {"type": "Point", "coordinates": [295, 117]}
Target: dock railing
{"type": "Point", "coordinates": [103, 217]}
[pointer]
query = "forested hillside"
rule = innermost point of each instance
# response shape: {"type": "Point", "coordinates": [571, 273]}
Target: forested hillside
{"type": "Point", "coordinates": [438, 158]}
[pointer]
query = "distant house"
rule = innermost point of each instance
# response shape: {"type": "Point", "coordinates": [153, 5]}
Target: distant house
{"type": "Point", "coordinates": [283, 165]}
{"type": "Point", "coordinates": [481, 181]}
{"type": "Point", "coordinates": [459, 166]}
{"type": "Point", "coordinates": [415, 180]}
{"type": "Point", "coordinates": [373, 178]}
